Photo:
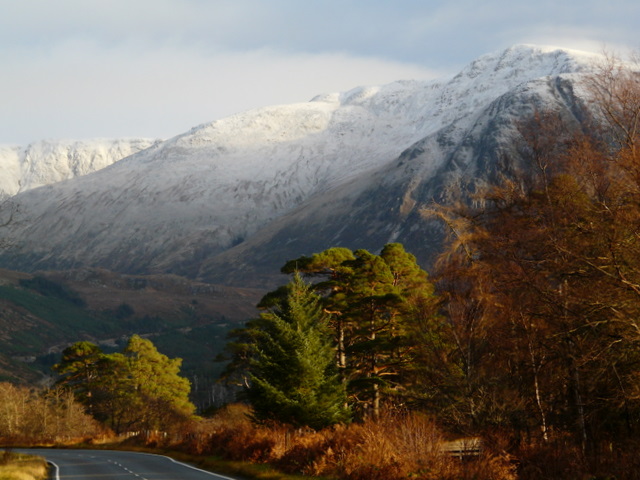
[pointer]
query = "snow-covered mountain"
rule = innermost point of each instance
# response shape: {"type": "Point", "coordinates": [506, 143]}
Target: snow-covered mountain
{"type": "Point", "coordinates": [47, 161]}
{"type": "Point", "coordinates": [232, 200]}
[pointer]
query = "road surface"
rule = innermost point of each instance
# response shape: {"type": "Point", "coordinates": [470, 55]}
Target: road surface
{"type": "Point", "coordinates": [116, 465]}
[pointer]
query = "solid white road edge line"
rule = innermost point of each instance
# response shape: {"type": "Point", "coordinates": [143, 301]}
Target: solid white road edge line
{"type": "Point", "coordinates": [56, 475]}
{"type": "Point", "coordinates": [189, 466]}
{"type": "Point", "coordinates": [199, 469]}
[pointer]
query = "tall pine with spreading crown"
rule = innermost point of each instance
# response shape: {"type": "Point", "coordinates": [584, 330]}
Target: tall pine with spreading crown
{"type": "Point", "coordinates": [379, 307]}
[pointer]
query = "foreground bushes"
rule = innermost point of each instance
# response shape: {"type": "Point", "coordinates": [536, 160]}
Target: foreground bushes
{"type": "Point", "coordinates": [393, 448]}
{"type": "Point", "coordinates": [404, 446]}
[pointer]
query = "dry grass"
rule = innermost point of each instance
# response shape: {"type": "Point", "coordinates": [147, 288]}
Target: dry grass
{"type": "Point", "coordinates": [22, 467]}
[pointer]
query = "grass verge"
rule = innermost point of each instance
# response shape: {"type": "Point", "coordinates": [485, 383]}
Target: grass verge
{"type": "Point", "coordinates": [16, 466]}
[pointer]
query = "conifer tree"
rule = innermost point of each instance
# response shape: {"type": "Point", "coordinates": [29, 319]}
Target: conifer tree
{"type": "Point", "coordinates": [331, 266]}
{"type": "Point", "coordinates": [156, 385]}
{"type": "Point", "coordinates": [79, 370]}
{"type": "Point", "coordinates": [379, 306]}
{"type": "Point", "coordinates": [293, 375]}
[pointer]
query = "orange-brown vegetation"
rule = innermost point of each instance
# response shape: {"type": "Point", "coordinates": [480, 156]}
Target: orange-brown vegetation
{"type": "Point", "coordinates": [402, 446]}
{"type": "Point", "coordinates": [30, 416]}
{"type": "Point", "coordinates": [393, 447]}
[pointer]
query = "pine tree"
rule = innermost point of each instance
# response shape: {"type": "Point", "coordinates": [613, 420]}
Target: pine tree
{"type": "Point", "coordinates": [155, 383]}
{"type": "Point", "coordinates": [293, 375]}
{"type": "Point", "coordinates": [380, 306]}
{"type": "Point", "coordinates": [332, 266]}
{"type": "Point", "coordinates": [79, 370]}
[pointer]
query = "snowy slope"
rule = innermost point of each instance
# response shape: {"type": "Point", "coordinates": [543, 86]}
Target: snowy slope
{"type": "Point", "coordinates": [48, 161]}
{"type": "Point", "coordinates": [194, 196]}
{"type": "Point", "coordinates": [384, 205]}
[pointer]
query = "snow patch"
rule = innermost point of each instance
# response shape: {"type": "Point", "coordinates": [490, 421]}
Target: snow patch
{"type": "Point", "coordinates": [48, 161]}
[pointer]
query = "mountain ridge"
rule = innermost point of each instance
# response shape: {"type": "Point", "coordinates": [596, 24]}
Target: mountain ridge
{"type": "Point", "coordinates": [50, 161]}
{"type": "Point", "coordinates": [193, 204]}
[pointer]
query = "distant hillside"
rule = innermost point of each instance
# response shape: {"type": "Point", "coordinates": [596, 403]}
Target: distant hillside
{"type": "Point", "coordinates": [41, 314]}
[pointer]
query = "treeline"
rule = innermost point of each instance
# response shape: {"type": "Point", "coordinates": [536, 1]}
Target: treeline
{"type": "Point", "coordinates": [99, 395]}
{"type": "Point", "coordinates": [541, 281]}
{"type": "Point", "coordinates": [138, 389]}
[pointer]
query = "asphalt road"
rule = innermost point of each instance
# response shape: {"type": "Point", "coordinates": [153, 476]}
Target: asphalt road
{"type": "Point", "coordinates": [115, 465]}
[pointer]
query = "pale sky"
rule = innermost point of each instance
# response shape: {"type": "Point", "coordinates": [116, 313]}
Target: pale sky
{"type": "Point", "coordinates": [79, 69]}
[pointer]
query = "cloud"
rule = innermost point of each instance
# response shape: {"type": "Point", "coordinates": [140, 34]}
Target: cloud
{"type": "Point", "coordinates": [73, 68]}
{"type": "Point", "coordinates": [80, 89]}
{"type": "Point", "coordinates": [469, 28]}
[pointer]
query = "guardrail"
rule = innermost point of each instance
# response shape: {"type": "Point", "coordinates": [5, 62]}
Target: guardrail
{"type": "Point", "coordinates": [463, 447]}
